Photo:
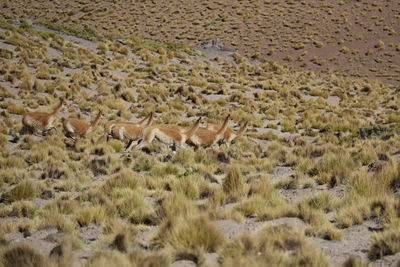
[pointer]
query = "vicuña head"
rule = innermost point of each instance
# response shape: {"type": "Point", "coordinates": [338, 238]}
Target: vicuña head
{"type": "Point", "coordinates": [39, 122]}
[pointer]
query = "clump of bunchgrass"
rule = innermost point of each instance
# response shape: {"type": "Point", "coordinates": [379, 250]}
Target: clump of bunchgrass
{"type": "Point", "coordinates": [310, 211]}
{"type": "Point", "coordinates": [333, 168]}
{"type": "Point", "coordinates": [61, 254]}
{"type": "Point", "coordinates": [264, 202]}
{"type": "Point", "coordinates": [189, 233]}
{"type": "Point", "coordinates": [271, 246]}
{"type": "Point", "coordinates": [384, 243]}
{"type": "Point", "coordinates": [87, 215]}
{"type": "Point", "coordinates": [24, 190]}
{"type": "Point", "coordinates": [23, 255]}
{"type": "Point", "coordinates": [234, 185]}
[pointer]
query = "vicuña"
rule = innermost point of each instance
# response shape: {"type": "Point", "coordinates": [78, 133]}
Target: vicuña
{"type": "Point", "coordinates": [229, 135]}
{"type": "Point", "coordinates": [206, 138]}
{"type": "Point", "coordinates": [168, 135]}
{"type": "Point", "coordinates": [75, 126]}
{"type": "Point", "coordinates": [41, 122]}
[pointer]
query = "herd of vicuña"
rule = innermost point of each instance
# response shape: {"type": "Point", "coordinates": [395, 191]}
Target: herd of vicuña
{"type": "Point", "coordinates": [143, 132]}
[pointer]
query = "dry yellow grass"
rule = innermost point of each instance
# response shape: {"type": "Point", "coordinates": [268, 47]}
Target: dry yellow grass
{"type": "Point", "coordinates": [319, 146]}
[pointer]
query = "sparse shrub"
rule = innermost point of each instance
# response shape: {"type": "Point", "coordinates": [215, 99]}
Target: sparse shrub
{"type": "Point", "coordinates": [380, 45]}
{"type": "Point", "coordinates": [26, 83]}
{"type": "Point", "coordinates": [265, 207]}
{"type": "Point", "coordinates": [102, 47]}
{"type": "Point", "coordinates": [367, 155]}
{"type": "Point", "coordinates": [299, 46]}
{"type": "Point", "coordinates": [150, 259]}
{"type": "Point", "coordinates": [345, 50]}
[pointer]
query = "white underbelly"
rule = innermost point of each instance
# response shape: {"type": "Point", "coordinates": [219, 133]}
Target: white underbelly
{"type": "Point", "coordinates": [195, 140]}
{"type": "Point", "coordinates": [165, 139]}
{"type": "Point", "coordinates": [69, 128]}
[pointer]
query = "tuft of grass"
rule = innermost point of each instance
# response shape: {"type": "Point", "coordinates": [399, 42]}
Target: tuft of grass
{"type": "Point", "coordinates": [14, 109]}
{"type": "Point", "coordinates": [319, 224]}
{"type": "Point", "coordinates": [19, 209]}
{"type": "Point", "coordinates": [61, 255]}
{"type": "Point", "coordinates": [175, 205]}
{"type": "Point", "coordinates": [197, 81]}
{"type": "Point", "coordinates": [272, 246]}
{"type": "Point", "coordinates": [184, 157]}
{"type": "Point", "coordinates": [234, 185]}
{"type": "Point", "coordinates": [380, 45]}
{"type": "Point", "coordinates": [322, 201]}
{"type": "Point", "coordinates": [384, 243]}
{"type": "Point", "coordinates": [88, 215]}
{"type": "Point", "coordinates": [190, 233]}
{"type": "Point", "coordinates": [165, 170]}
{"type": "Point", "coordinates": [24, 190]}
{"type": "Point", "coordinates": [23, 255]}
{"type": "Point", "coordinates": [333, 168]}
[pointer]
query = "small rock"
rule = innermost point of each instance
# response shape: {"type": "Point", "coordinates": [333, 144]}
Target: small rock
{"type": "Point", "coordinates": [46, 194]}
{"type": "Point", "coordinates": [26, 234]}
{"type": "Point", "coordinates": [223, 157]}
{"type": "Point", "coordinates": [55, 237]}
{"type": "Point", "coordinates": [383, 156]}
{"type": "Point", "coordinates": [121, 41]}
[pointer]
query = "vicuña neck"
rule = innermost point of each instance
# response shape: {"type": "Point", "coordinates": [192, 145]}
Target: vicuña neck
{"type": "Point", "coordinates": [96, 121]}
{"type": "Point", "coordinates": [193, 129]}
{"type": "Point", "coordinates": [151, 119]}
{"type": "Point", "coordinates": [224, 126]}
{"type": "Point", "coordinates": [244, 127]}
{"type": "Point", "coordinates": [140, 123]}
{"type": "Point", "coordinates": [57, 109]}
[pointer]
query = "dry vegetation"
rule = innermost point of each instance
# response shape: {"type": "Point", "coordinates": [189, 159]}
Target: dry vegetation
{"type": "Point", "coordinates": [357, 38]}
{"type": "Point", "coordinates": [319, 164]}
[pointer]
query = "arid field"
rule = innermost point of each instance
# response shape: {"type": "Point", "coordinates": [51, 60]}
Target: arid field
{"type": "Point", "coordinates": [314, 179]}
{"type": "Point", "coordinates": [357, 38]}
